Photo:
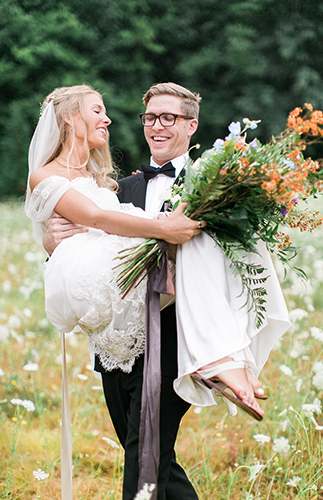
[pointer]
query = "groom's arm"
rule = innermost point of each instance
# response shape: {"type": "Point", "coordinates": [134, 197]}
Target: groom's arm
{"type": "Point", "coordinates": [57, 229]}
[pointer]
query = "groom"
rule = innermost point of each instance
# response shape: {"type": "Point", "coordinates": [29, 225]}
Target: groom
{"type": "Point", "coordinates": [170, 120]}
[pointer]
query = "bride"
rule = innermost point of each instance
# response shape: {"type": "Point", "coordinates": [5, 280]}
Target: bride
{"type": "Point", "coordinates": [69, 164]}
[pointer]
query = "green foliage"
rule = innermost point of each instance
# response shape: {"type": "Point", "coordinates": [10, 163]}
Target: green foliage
{"type": "Point", "coordinates": [255, 58]}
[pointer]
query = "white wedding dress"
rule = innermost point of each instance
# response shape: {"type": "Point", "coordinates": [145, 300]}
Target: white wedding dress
{"type": "Point", "coordinates": [79, 290]}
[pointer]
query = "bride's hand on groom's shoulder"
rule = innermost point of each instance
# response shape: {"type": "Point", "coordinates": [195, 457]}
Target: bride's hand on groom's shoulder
{"type": "Point", "coordinates": [57, 229]}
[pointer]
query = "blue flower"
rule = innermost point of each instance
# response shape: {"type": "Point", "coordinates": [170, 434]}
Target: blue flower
{"type": "Point", "coordinates": [254, 144]}
{"type": "Point", "coordinates": [219, 143]}
{"type": "Point", "coordinates": [289, 164]}
{"type": "Point", "coordinates": [235, 128]}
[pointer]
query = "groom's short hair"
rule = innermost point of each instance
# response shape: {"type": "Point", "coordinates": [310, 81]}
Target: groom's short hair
{"type": "Point", "coordinates": [190, 100]}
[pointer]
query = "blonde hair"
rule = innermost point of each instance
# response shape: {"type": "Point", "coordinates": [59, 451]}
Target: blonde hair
{"type": "Point", "coordinates": [69, 101]}
{"type": "Point", "coordinates": [190, 100]}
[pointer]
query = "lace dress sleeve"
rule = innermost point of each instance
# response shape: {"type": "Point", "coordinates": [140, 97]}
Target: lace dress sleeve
{"type": "Point", "coordinates": [43, 200]}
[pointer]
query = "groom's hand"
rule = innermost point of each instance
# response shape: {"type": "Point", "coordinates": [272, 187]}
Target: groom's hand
{"type": "Point", "coordinates": [57, 229]}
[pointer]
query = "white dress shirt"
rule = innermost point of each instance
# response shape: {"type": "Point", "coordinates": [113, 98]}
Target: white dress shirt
{"type": "Point", "coordinates": [161, 183]}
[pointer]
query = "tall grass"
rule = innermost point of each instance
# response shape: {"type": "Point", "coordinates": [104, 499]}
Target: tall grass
{"type": "Point", "coordinates": [220, 453]}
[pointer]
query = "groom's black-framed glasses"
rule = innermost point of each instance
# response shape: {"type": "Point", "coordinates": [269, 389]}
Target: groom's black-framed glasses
{"type": "Point", "coordinates": [165, 119]}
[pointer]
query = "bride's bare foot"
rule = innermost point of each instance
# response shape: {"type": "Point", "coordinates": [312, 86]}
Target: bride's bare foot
{"type": "Point", "coordinates": [243, 384]}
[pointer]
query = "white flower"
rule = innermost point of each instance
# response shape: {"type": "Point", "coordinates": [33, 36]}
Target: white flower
{"type": "Point", "coordinates": [95, 432]}
{"type": "Point", "coordinates": [294, 481]}
{"type": "Point", "coordinates": [111, 442]}
{"type": "Point", "coordinates": [251, 123]}
{"type": "Point", "coordinates": [235, 128]}
{"type": "Point", "coordinates": [283, 425]}
{"type": "Point", "coordinates": [286, 370]}
{"type": "Point", "coordinates": [43, 323]}
{"type": "Point", "coordinates": [6, 286]}
{"type": "Point", "coordinates": [317, 333]}
{"type": "Point", "coordinates": [254, 470]}
{"type": "Point", "coordinates": [309, 409]}
{"type": "Point", "coordinates": [318, 366]}
{"type": "Point", "coordinates": [27, 312]}
{"type": "Point", "coordinates": [82, 377]}
{"type": "Point", "coordinates": [96, 387]}
{"type": "Point", "coordinates": [297, 314]}
{"type": "Point", "coordinates": [297, 349]}
{"type": "Point", "coordinates": [317, 380]}
{"type": "Point", "coordinates": [197, 410]}
{"type": "Point", "coordinates": [26, 403]}
{"type": "Point", "coordinates": [299, 384]}
{"type": "Point", "coordinates": [14, 321]}
{"type": "Point", "coordinates": [29, 405]}
{"type": "Point", "coordinates": [1, 372]}
{"type": "Point", "coordinates": [317, 426]}
{"type": "Point", "coordinates": [31, 367]}
{"type": "Point", "coordinates": [261, 438]}
{"type": "Point", "coordinates": [89, 367]}
{"type": "Point", "coordinates": [281, 446]}
{"type": "Point", "coordinates": [16, 401]}
{"type": "Point", "coordinates": [218, 144]}
{"type": "Point", "coordinates": [4, 332]}
{"type": "Point", "coordinates": [40, 474]}
{"type": "Point", "coordinates": [146, 492]}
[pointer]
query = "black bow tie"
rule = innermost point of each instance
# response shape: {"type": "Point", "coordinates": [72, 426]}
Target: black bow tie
{"type": "Point", "coordinates": [151, 172]}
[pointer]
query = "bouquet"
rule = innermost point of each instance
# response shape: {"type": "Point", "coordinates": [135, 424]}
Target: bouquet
{"type": "Point", "coordinates": [246, 192]}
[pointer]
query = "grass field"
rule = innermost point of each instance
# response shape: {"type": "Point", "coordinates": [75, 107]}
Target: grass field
{"type": "Point", "coordinates": [225, 457]}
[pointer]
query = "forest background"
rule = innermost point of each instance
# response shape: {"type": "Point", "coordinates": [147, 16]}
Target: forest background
{"type": "Point", "coordinates": [254, 58]}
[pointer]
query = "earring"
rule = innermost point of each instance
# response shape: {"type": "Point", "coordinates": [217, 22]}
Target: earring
{"type": "Point", "coordinates": [71, 129]}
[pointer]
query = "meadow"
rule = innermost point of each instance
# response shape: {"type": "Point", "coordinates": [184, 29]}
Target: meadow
{"type": "Point", "coordinates": [225, 457]}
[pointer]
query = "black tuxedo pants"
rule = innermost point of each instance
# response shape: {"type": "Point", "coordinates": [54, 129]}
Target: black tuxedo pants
{"type": "Point", "coordinates": [123, 397]}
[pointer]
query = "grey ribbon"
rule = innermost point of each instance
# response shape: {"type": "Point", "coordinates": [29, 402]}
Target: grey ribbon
{"type": "Point", "coordinates": [159, 281]}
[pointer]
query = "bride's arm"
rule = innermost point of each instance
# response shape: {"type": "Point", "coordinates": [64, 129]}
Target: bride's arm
{"type": "Point", "coordinates": [77, 208]}
{"type": "Point", "coordinates": [176, 228]}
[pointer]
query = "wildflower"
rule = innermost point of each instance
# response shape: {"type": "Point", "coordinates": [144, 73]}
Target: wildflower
{"type": "Point", "coordinates": [14, 321]}
{"type": "Point", "coordinates": [281, 446]}
{"type": "Point", "coordinates": [27, 312]}
{"type": "Point", "coordinates": [317, 333]}
{"type": "Point", "coordinates": [40, 474]}
{"type": "Point", "coordinates": [146, 492]}
{"type": "Point", "coordinates": [298, 314]}
{"type": "Point", "coordinates": [309, 409]}
{"type": "Point", "coordinates": [82, 377]}
{"type": "Point", "coordinates": [252, 124]}
{"type": "Point", "coordinates": [283, 425]}
{"type": "Point", "coordinates": [6, 286]}
{"type": "Point", "coordinates": [234, 128]}
{"type": "Point", "coordinates": [111, 442]}
{"type": "Point", "coordinates": [26, 403]}
{"type": "Point", "coordinates": [197, 410]}
{"type": "Point", "coordinates": [219, 143]}
{"type": "Point", "coordinates": [254, 470]}
{"type": "Point", "coordinates": [4, 332]}
{"type": "Point", "coordinates": [96, 387]}
{"type": "Point", "coordinates": [286, 370]}
{"type": "Point", "coordinates": [261, 438]}
{"type": "Point", "coordinates": [43, 323]}
{"type": "Point", "coordinates": [318, 366]}
{"type": "Point", "coordinates": [1, 373]}
{"type": "Point", "coordinates": [31, 367]}
{"type": "Point", "coordinates": [294, 481]}
{"type": "Point", "coordinates": [299, 384]}
{"type": "Point", "coordinates": [317, 380]}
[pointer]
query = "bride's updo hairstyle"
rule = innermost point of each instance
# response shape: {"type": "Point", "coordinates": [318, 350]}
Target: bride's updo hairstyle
{"type": "Point", "coordinates": [68, 102]}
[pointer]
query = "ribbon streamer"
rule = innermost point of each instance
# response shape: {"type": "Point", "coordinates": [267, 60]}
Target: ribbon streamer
{"type": "Point", "coordinates": [159, 281]}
